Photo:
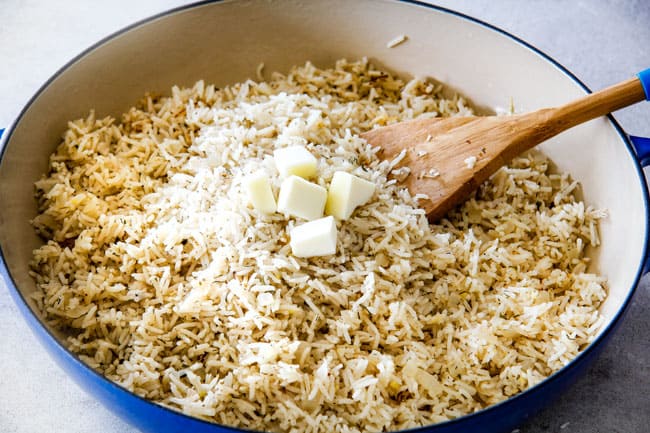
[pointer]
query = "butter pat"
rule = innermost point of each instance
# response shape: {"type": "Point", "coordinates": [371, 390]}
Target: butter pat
{"type": "Point", "coordinates": [315, 238]}
{"type": "Point", "coordinates": [301, 198]}
{"type": "Point", "coordinates": [259, 192]}
{"type": "Point", "coordinates": [295, 160]}
{"type": "Point", "coordinates": [346, 193]}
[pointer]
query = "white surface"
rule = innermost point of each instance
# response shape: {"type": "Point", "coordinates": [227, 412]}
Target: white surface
{"type": "Point", "coordinates": [600, 41]}
{"type": "Point", "coordinates": [315, 238]}
{"type": "Point", "coordinates": [295, 160]}
{"type": "Point", "coordinates": [301, 198]}
{"type": "Point", "coordinates": [347, 192]}
{"type": "Point", "coordinates": [260, 193]}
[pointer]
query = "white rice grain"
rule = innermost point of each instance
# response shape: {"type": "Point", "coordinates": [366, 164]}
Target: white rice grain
{"type": "Point", "coordinates": [400, 39]}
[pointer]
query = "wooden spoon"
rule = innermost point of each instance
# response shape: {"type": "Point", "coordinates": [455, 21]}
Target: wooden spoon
{"type": "Point", "coordinates": [466, 151]}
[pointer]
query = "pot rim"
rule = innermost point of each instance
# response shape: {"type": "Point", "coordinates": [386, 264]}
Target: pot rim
{"type": "Point", "coordinates": [558, 375]}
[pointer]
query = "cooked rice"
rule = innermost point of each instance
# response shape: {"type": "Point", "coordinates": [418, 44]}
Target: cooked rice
{"type": "Point", "coordinates": [397, 40]}
{"type": "Point", "coordinates": [168, 283]}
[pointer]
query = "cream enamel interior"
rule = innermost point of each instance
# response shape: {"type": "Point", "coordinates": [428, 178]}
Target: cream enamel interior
{"type": "Point", "coordinates": [224, 42]}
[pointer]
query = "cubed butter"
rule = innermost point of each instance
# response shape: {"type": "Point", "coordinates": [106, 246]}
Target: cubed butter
{"type": "Point", "coordinates": [295, 160]}
{"type": "Point", "coordinates": [315, 238]}
{"type": "Point", "coordinates": [301, 198]}
{"type": "Point", "coordinates": [346, 192]}
{"type": "Point", "coordinates": [259, 191]}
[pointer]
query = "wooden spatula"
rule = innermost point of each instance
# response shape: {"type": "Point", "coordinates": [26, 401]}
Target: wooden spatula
{"type": "Point", "coordinates": [449, 158]}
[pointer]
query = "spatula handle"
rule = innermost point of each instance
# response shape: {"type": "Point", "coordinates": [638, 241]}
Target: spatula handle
{"type": "Point", "coordinates": [605, 101]}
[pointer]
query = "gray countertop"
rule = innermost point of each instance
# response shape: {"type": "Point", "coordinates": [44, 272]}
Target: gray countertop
{"type": "Point", "coordinates": [601, 41]}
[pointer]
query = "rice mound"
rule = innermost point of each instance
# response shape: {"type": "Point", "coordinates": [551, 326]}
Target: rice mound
{"type": "Point", "coordinates": [166, 281]}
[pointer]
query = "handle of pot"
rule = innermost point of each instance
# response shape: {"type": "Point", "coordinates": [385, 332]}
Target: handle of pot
{"type": "Point", "coordinates": [642, 148]}
{"type": "Point", "coordinates": [644, 77]}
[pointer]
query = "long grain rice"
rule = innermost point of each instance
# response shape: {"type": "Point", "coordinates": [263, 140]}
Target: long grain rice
{"type": "Point", "coordinates": [168, 283]}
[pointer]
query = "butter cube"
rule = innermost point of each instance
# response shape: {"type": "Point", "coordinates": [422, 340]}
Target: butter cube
{"type": "Point", "coordinates": [301, 198]}
{"type": "Point", "coordinates": [346, 192]}
{"type": "Point", "coordinates": [315, 238]}
{"type": "Point", "coordinates": [295, 160]}
{"type": "Point", "coordinates": [259, 192]}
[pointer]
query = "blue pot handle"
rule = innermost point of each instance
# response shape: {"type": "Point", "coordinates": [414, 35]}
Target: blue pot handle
{"type": "Point", "coordinates": [644, 77]}
{"type": "Point", "coordinates": [642, 144]}
{"type": "Point", "coordinates": [2, 130]}
{"type": "Point", "coordinates": [642, 148]}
